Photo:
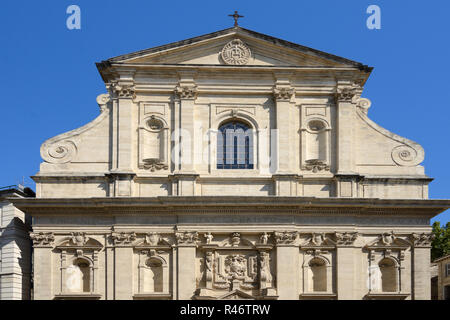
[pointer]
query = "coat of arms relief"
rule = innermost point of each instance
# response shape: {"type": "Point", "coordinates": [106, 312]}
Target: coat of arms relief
{"type": "Point", "coordinates": [237, 264]}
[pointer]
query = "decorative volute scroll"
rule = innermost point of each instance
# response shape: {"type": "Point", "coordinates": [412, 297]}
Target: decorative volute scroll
{"type": "Point", "coordinates": [422, 239]}
{"type": "Point", "coordinates": [103, 101]}
{"type": "Point", "coordinates": [42, 238]}
{"type": "Point", "coordinates": [407, 153]}
{"type": "Point", "coordinates": [123, 238]}
{"type": "Point", "coordinates": [236, 52]}
{"type": "Point", "coordinates": [63, 148]}
{"type": "Point", "coordinates": [345, 238]}
{"type": "Point", "coordinates": [363, 104]}
{"type": "Point", "coordinates": [187, 237]}
{"type": "Point", "coordinates": [286, 237]}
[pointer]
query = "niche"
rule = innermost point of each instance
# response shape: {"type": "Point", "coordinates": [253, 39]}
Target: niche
{"type": "Point", "coordinates": [153, 144]}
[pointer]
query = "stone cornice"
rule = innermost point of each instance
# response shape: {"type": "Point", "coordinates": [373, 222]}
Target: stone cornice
{"type": "Point", "coordinates": [233, 205]}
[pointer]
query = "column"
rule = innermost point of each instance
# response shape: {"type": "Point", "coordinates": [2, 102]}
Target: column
{"type": "Point", "coordinates": [287, 265]}
{"type": "Point", "coordinates": [187, 244]}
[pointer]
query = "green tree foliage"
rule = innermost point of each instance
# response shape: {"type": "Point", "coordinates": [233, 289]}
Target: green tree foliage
{"type": "Point", "coordinates": [441, 244]}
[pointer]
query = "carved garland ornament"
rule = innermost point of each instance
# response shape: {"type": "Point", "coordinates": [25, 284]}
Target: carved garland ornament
{"type": "Point", "coordinates": [315, 165]}
{"type": "Point", "coordinates": [236, 52]}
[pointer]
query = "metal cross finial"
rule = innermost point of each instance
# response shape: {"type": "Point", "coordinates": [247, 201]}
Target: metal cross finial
{"type": "Point", "coordinates": [236, 16]}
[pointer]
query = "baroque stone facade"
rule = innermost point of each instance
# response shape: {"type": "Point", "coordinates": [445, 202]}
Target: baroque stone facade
{"type": "Point", "coordinates": [308, 199]}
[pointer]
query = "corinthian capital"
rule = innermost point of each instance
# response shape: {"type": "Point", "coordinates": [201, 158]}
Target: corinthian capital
{"type": "Point", "coordinates": [186, 92]}
{"type": "Point", "coordinates": [126, 91]}
{"type": "Point", "coordinates": [187, 237]}
{"type": "Point", "coordinates": [283, 94]}
{"type": "Point", "coordinates": [123, 237]}
{"type": "Point", "coordinates": [345, 94]}
{"type": "Point", "coordinates": [42, 238]}
{"type": "Point", "coordinates": [287, 237]}
{"type": "Point", "coordinates": [422, 240]}
{"type": "Point", "coordinates": [345, 238]}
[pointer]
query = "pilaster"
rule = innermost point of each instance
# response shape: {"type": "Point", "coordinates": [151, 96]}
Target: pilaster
{"type": "Point", "coordinates": [122, 92]}
{"type": "Point", "coordinates": [284, 97]}
{"type": "Point", "coordinates": [186, 93]}
{"type": "Point", "coordinates": [287, 254]}
{"type": "Point", "coordinates": [187, 245]}
{"type": "Point", "coordinates": [421, 256]}
{"type": "Point", "coordinates": [345, 265]}
{"type": "Point", "coordinates": [346, 119]}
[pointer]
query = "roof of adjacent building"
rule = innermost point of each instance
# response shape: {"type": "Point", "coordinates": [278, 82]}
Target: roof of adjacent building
{"type": "Point", "coordinates": [16, 191]}
{"type": "Point", "coordinates": [442, 258]}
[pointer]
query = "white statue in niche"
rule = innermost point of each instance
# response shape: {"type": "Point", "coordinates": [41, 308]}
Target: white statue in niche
{"type": "Point", "coordinates": [77, 277]}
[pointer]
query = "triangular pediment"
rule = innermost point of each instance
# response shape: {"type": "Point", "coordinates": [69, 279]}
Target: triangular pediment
{"type": "Point", "coordinates": [388, 240]}
{"type": "Point", "coordinates": [236, 295]}
{"type": "Point", "coordinates": [263, 50]}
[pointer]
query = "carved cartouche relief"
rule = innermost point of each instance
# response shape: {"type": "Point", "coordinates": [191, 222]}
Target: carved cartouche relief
{"type": "Point", "coordinates": [235, 52]}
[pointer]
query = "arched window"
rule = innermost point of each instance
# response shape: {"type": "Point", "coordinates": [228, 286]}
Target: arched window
{"type": "Point", "coordinates": [388, 275]}
{"type": "Point", "coordinates": [318, 275]}
{"type": "Point", "coordinates": [79, 276]}
{"type": "Point", "coordinates": [235, 146]}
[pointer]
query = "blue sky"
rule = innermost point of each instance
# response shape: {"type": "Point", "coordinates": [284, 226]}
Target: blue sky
{"type": "Point", "coordinates": [49, 80]}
